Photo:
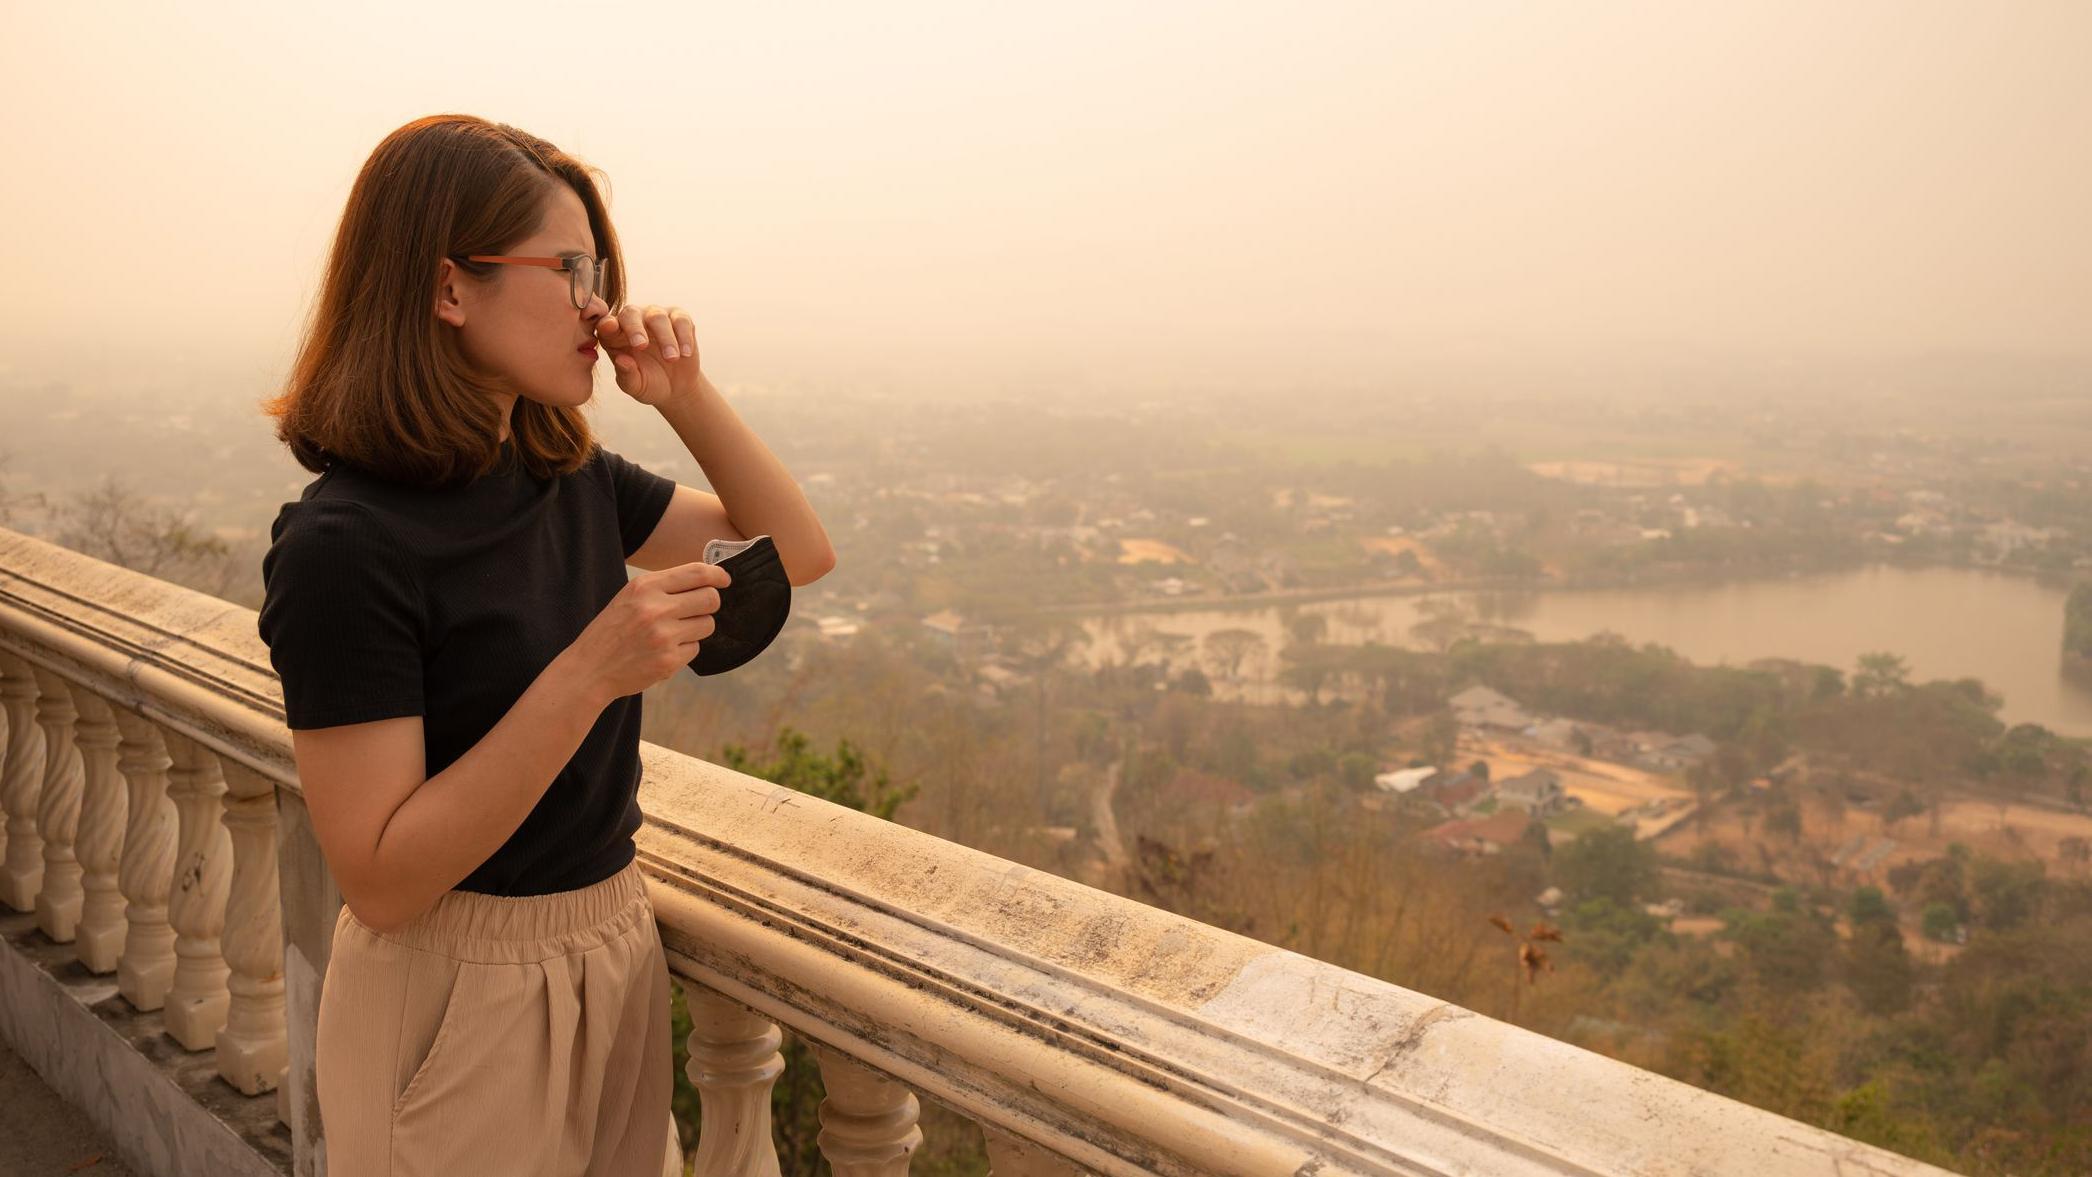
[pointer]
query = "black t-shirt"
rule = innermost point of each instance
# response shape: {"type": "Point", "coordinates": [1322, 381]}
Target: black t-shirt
{"type": "Point", "coordinates": [384, 600]}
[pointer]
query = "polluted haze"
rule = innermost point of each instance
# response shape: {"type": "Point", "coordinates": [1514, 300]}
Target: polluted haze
{"type": "Point", "coordinates": [1104, 194]}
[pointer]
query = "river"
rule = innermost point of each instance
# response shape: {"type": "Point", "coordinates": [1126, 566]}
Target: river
{"type": "Point", "coordinates": [1945, 622]}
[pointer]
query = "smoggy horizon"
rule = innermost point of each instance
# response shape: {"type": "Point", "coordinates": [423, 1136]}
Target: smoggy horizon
{"type": "Point", "coordinates": [1106, 193]}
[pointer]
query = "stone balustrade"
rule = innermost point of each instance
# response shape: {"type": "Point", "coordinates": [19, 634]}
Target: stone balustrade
{"type": "Point", "coordinates": [171, 917]}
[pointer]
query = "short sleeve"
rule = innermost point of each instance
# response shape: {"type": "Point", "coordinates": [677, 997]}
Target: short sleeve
{"type": "Point", "coordinates": [640, 494]}
{"type": "Point", "coordinates": [342, 616]}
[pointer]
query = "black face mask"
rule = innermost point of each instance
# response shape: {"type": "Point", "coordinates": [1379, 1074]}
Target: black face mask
{"type": "Point", "coordinates": [751, 610]}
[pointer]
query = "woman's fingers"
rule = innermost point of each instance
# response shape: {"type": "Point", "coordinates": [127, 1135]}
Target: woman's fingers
{"type": "Point", "coordinates": [667, 332]}
{"type": "Point", "coordinates": [685, 333]}
{"type": "Point", "coordinates": [657, 329]}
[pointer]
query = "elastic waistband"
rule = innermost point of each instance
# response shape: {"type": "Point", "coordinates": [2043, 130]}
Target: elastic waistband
{"type": "Point", "coordinates": [468, 925]}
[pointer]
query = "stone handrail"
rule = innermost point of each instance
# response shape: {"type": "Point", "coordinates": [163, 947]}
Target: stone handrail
{"type": "Point", "coordinates": [154, 824]}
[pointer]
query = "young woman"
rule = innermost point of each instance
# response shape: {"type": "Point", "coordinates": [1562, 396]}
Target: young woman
{"type": "Point", "coordinates": [462, 656]}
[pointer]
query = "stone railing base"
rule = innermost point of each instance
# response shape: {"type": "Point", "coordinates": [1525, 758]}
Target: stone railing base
{"type": "Point", "coordinates": [164, 1109]}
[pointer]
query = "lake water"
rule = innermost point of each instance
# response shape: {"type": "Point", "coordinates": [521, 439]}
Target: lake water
{"type": "Point", "coordinates": [1944, 622]}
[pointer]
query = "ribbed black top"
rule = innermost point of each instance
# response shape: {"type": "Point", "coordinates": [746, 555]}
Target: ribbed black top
{"type": "Point", "coordinates": [383, 600]}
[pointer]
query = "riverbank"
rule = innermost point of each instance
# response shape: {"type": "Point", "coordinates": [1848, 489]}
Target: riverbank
{"type": "Point", "coordinates": [1412, 587]}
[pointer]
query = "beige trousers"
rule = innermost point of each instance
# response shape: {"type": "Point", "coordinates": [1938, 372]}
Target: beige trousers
{"type": "Point", "coordinates": [512, 1035]}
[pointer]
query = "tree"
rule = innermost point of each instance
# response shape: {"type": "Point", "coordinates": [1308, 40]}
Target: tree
{"type": "Point", "coordinates": [1036, 647]}
{"type": "Point", "coordinates": [9, 501]}
{"type": "Point", "coordinates": [1784, 819]}
{"type": "Point", "coordinates": [1135, 638]}
{"type": "Point", "coordinates": [1227, 648]}
{"type": "Point", "coordinates": [2004, 893]}
{"type": "Point", "coordinates": [1829, 683]}
{"type": "Point", "coordinates": [1880, 673]}
{"type": "Point", "coordinates": [1904, 804]}
{"type": "Point", "coordinates": [1877, 967]}
{"type": "Point", "coordinates": [1608, 863]}
{"type": "Point", "coordinates": [1441, 738]}
{"type": "Point", "coordinates": [113, 523]}
{"type": "Point", "coordinates": [1785, 949]}
{"type": "Point", "coordinates": [1444, 622]}
{"type": "Point", "coordinates": [1306, 628]}
{"type": "Point", "coordinates": [1939, 922]}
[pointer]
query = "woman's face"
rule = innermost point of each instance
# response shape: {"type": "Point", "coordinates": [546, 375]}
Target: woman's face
{"type": "Point", "coordinates": [520, 326]}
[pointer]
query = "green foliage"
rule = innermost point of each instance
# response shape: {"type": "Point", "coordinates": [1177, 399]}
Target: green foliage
{"type": "Point", "coordinates": [1869, 906]}
{"type": "Point", "coordinates": [1355, 770]}
{"type": "Point", "coordinates": [1607, 935]}
{"type": "Point", "coordinates": [2005, 893]}
{"type": "Point", "coordinates": [1608, 863]}
{"type": "Point", "coordinates": [1880, 673]}
{"type": "Point", "coordinates": [1877, 966]}
{"type": "Point", "coordinates": [1939, 922]}
{"type": "Point", "coordinates": [839, 778]}
{"type": "Point", "coordinates": [1784, 819]}
{"type": "Point", "coordinates": [2077, 624]}
{"type": "Point", "coordinates": [1785, 950]}
{"type": "Point", "coordinates": [1651, 687]}
{"type": "Point", "coordinates": [1904, 804]}
{"type": "Point", "coordinates": [1441, 736]}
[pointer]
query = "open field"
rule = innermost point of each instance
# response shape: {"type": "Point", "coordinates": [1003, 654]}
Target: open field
{"type": "Point", "coordinates": [1134, 551]}
{"type": "Point", "coordinates": [1395, 545]}
{"type": "Point", "coordinates": [2014, 832]}
{"type": "Point", "coordinates": [1604, 787]}
{"type": "Point", "coordinates": [1647, 472]}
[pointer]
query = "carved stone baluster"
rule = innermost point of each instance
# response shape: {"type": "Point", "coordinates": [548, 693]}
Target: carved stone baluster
{"type": "Point", "coordinates": [1013, 1156]}
{"type": "Point", "coordinates": [21, 779]}
{"type": "Point", "coordinates": [99, 938]}
{"type": "Point", "coordinates": [251, 1047]}
{"type": "Point", "coordinates": [733, 1061]}
{"type": "Point", "coordinates": [868, 1120]}
{"type": "Point", "coordinates": [150, 824]}
{"type": "Point", "coordinates": [58, 808]}
{"type": "Point", "coordinates": [196, 1003]}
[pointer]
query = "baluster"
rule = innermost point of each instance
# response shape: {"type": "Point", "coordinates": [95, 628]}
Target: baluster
{"type": "Point", "coordinates": [1014, 1156]}
{"type": "Point", "coordinates": [252, 1052]}
{"type": "Point", "coordinates": [196, 1003]}
{"type": "Point", "coordinates": [147, 968]}
{"type": "Point", "coordinates": [58, 808]}
{"type": "Point", "coordinates": [734, 1059]}
{"type": "Point", "coordinates": [98, 940]}
{"type": "Point", "coordinates": [21, 779]}
{"type": "Point", "coordinates": [868, 1120]}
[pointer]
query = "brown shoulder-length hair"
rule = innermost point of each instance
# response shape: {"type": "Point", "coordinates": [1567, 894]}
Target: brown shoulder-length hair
{"type": "Point", "coordinates": [379, 382]}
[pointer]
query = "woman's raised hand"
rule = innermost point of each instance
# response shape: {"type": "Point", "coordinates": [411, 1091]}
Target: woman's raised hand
{"type": "Point", "coordinates": [653, 350]}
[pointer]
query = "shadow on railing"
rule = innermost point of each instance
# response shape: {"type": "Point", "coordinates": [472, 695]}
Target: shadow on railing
{"type": "Point", "coordinates": [155, 829]}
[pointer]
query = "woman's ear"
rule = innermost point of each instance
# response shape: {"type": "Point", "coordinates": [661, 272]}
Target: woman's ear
{"type": "Point", "coordinates": [450, 294]}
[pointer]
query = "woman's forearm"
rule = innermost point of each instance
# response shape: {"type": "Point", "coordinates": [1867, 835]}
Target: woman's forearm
{"type": "Point", "coordinates": [759, 495]}
{"type": "Point", "coordinates": [458, 818]}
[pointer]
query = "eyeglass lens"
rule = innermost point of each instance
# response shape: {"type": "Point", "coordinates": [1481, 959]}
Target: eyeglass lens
{"type": "Point", "coordinates": [589, 278]}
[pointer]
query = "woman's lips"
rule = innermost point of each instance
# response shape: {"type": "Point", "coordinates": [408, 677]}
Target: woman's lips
{"type": "Point", "coordinates": [588, 350]}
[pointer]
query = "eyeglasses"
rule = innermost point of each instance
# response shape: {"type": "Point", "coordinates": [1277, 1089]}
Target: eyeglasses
{"type": "Point", "coordinates": [586, 276]}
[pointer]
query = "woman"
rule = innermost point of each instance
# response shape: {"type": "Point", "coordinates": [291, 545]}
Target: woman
{"type": "Point", "coordinates": [462, 656]}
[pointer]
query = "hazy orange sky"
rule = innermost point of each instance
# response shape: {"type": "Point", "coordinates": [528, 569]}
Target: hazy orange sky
{"type": "Point", "coordinates": [1137, 187]}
